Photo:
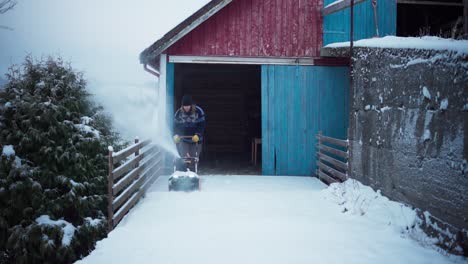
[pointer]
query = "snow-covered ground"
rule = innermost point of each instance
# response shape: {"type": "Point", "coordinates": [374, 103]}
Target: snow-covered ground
{"type": "Point", "coordinates": [267, 219]}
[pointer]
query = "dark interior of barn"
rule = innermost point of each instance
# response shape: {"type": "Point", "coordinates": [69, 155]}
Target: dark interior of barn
{"type": "Point", "coordinates": [435, 18]}
{"type": "Point", "coordinates": [230, 96]}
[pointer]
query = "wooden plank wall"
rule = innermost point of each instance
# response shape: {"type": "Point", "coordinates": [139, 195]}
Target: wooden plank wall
{"type": "Point", "coordinates": [297, 102]}
{"type": "Point", "coordinates": [258, 28]}
{"type": "Point", "coordinates": [336, 26]}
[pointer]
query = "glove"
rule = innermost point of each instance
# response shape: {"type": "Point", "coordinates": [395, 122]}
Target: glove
{"type": "Point", "coordinates": [176, 139]}
{"type": "Point", "coordinates": [195, 138]}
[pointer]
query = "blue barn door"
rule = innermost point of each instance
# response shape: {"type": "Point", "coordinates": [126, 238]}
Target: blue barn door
{"type": "Point", "coordinates": [170, 94]}
{"type": "Point", "coordinates": [169, 81]}
{"type": "Point", "coordinates": [297, 102]}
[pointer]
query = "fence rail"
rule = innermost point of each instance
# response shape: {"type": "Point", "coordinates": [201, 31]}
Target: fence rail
{"type": "Point", "coordinates": [332, 159]}
{"type": "Point", "coordinates": [128, 182]}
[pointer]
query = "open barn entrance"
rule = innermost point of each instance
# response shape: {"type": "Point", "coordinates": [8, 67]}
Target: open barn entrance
{"type": "Point", "coordinates": [230, 95]}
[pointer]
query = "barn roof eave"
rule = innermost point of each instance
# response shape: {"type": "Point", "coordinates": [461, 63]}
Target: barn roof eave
{"type": "Point", "coordinates": [151, 54]}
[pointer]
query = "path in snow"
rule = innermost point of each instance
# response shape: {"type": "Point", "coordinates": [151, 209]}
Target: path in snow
{"type": "Point", "coordinates": [253, 219]}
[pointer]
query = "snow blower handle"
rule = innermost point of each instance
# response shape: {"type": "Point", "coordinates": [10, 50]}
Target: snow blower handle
{"type": "Point", "coordinates": [195, 138]}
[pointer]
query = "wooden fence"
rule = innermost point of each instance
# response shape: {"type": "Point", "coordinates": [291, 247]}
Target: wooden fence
{"type": "Point", "coordinates": [128, 182]}
{"type": "Point", "coordinates": [332, 159]}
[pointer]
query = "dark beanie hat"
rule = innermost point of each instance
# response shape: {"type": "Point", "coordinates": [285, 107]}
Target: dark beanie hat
{"type": "Point", "coordinates": [187, 100]}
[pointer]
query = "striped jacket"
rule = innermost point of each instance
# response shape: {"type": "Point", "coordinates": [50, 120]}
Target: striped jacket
{"type": "Point", "coordinates": [189, 124]}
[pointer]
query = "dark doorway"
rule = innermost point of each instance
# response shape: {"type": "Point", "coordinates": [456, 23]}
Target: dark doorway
{"type": "Point", "coordinates": [430, 17]}
{"type": "Point", "coordinates": [230, 95]}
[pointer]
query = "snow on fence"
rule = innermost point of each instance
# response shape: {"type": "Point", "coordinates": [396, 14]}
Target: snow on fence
{"type": "Point", "coordinates": [332, 159]}
{"type": "Point", "coordinates": [128, 182]}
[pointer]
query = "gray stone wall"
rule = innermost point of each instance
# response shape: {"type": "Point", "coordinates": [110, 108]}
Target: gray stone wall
{"type": "Point", "coordinates": [408, 128]}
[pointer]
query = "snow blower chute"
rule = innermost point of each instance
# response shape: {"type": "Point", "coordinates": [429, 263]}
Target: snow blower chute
{"type": "Point", "coordinates": [185, 177]}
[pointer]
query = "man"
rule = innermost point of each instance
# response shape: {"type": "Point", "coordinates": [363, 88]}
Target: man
{"type": "Point", "coordinates": [189, 125]}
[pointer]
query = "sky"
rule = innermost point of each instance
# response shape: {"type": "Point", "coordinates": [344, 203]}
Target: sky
{"type": "Point", "coordinates": [102, 39]}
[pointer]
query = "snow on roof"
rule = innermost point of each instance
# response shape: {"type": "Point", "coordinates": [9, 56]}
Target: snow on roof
{"type": "Point", "coordinates": [426, 43]}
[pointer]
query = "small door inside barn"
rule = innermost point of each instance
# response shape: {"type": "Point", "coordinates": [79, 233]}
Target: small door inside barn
{"type": "Point", "coordinates": [230, 96]}
{"type": "Point", "coordinates": [297, 102]}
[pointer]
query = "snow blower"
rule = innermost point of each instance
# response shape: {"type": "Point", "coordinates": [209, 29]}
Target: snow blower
{"type": "Point", "coordinates": [185, 177]}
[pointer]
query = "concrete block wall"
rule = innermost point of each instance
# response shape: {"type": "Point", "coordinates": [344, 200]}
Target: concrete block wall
{"type": "Point", "coordinates": [408, 128]}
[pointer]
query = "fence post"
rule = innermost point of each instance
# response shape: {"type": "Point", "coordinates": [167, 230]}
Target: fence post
{"type": "Point", "coordinates": [137, 152]}
{"type": "Point", "coordinates": [319, 138]}
{"type": "Point", "coordinates": [110, 195]}
{"type": "Point", "coordinates": [348, 172]}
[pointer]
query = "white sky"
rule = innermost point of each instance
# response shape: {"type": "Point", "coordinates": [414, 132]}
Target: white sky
{"type": "Point", "coordinates": [103, 39]}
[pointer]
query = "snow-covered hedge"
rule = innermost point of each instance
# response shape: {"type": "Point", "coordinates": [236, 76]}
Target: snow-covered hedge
{"type": "Point", "coordinates": [53, 165]}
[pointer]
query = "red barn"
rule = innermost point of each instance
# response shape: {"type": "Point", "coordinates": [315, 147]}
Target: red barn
{"type": "Point", "coordinates": [255, 68]}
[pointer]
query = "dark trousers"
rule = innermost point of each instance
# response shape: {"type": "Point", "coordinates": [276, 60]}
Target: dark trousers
{"type": "Point", "coordinates": [189, 149]}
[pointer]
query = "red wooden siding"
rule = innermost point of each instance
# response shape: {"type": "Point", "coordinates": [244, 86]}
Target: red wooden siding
{"type": "Point", "coordinates": [270, 28]}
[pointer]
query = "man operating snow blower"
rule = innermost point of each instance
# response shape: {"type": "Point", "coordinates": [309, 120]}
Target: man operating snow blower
{"type": "Point", "coordinates": [189, 125]}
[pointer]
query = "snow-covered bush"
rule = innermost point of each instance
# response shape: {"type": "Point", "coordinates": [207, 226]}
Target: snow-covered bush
{"type": "Point", "coordinates": [53, 164]}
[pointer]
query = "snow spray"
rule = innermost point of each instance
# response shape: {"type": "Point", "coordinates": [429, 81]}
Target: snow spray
{"type": "Point", "coordinates": [138, 109]}
{"type": "Point", "coordinates": [161, 132]}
